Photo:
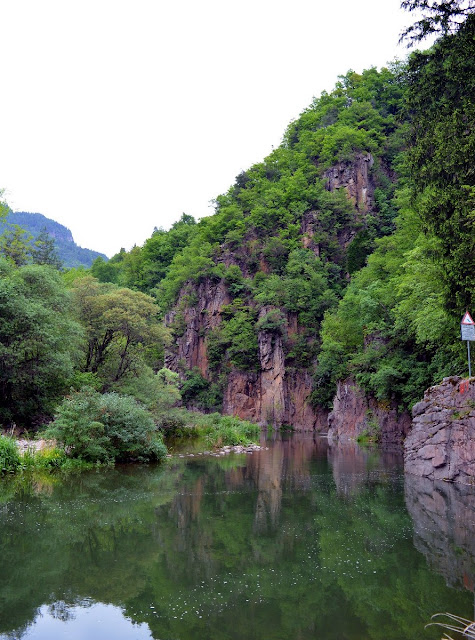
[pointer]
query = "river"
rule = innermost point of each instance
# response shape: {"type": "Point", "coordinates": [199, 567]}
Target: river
{"type": "Point", "coordinates": [297, 541]}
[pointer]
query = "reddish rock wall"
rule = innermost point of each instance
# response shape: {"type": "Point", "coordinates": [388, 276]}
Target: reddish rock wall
{"type": "Point", "coordinates": [354, 413]}
{"type": "Point", "coordinates": [272, 396]}
{"type": "Point", "coordinates": [277, 394]}
{"type": "Point", "coordinates": [441, 443]}
{"type": "Point", "coordinates": [197, 319]}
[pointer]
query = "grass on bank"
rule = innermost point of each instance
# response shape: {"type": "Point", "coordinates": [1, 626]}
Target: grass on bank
{"type": "Point", "coordinates": [50, 458]}
{"type": "Point", "coordinates": [215, 429]}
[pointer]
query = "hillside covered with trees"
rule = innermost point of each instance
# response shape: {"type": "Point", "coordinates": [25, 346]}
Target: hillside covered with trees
{"type": "Point", "coordinates": [31, 227]}
{"type": "Point", "coordinates": [347, 253]}
{"type": "Point", "coordinates": [352, 243]}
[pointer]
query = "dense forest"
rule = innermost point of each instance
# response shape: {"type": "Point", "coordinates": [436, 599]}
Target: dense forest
{"type": "Point", "coordinates": [351, 245]}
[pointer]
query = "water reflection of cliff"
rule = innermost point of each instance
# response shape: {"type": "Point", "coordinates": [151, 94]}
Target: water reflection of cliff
{"type": "Point", "coordinates": [354, 467]}
{"type": "Point", "coordinates": [444, 527]}
{"type": "Point", "coordinates": [286, 465]}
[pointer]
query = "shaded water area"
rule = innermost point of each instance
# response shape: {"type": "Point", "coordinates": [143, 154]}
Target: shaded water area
{"type": "Point", "coordinates": [298, 541]}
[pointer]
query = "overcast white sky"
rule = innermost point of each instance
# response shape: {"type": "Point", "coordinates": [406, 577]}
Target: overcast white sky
{"type": "Point", "coordinates": [118, 115]}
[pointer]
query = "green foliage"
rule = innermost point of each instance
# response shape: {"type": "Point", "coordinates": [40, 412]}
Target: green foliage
{"type": "Point", "coordinates": [437, 17]}
{"type": "Point", "coordinates": [10, 459]}
{"type": "Point", "coordinates": [160, 249]}
{"type": "Point", "coordinates": [305, 288]}
{"type": "Point", "coordinates": [158, 392]}
{"type": "Point", "coordinates": [234, 280]}
{"type": "Point", "coordinates": [390, 330]}
{"type": "Point", "coordinates": [238, 334]}
{"type": "Point", "coordinates": [122, 329]}
{"type": "Point", "coordinates": [46, 459]}
{"type": "Point", "coordinates": [441, 110]}
{"type": "Point", "coordinates": [396, 329]}
{"type": "Point", "coordinates": [259, 218]}
{"type": "Point", "coordinates": [200, 392]}
{"type": "Point", "coordinates": [225, 430]}
{"type": "Point", "coordinates": [105, 428]}
{"type": "Point", "coordinates": [40, 342]}
{"type": "Point", "coordinates": [44, 251]}
{"type": "Point", "coordinates": [105, 271]}
{"type": "Point", "coordinates": [15, 245]}
{"type": "Point", "coordinates": [60, 237]}
{"type": "Point", "coordinates": [372, 431]}
{"type": "Point", "coordinates": [192, 263]}
{"type": "Point", "coordinates": [273, 321]}
{"type": "Point", "coordinates": [359, 249]}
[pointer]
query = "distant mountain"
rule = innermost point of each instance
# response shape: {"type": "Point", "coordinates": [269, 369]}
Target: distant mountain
{"type": "Point", "coordinates": [69, 252]}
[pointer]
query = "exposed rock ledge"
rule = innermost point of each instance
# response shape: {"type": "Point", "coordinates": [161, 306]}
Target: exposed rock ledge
{"type": "Point", "coordinates": [441, 443]}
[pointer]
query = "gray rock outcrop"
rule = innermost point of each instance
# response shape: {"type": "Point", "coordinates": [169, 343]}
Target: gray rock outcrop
{"type": "Point", "coordinates": [441, 443]}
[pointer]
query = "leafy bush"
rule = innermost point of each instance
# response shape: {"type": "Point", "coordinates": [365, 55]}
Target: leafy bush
{"type": "Point", "coordinates": [10, 459]}
{"type": "Point", "coordinates": [274, 321]}
{"type": "Point", "coordinates": [106, 428]}
{"type": "Point", "coordinates": [204, 395]}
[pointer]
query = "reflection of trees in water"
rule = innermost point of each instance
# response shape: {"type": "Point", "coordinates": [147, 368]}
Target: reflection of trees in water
{"type": "Point", "coordinates": [269, 537]}
{"type": "Point", "coordinates": [444, 527]}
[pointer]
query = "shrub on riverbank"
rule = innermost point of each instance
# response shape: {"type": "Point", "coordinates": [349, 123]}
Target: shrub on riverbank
{"type": "Point", "coordinates": [106, 428]}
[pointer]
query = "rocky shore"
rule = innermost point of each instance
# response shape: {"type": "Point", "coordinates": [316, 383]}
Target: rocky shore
{"type": "Point", "coordinates": [238, 448]}
{"type": "Point", "coordinates": [441, 442]}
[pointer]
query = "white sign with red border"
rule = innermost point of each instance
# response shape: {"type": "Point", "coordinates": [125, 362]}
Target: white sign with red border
{"type": "Point", "coordinates": [467, 327]}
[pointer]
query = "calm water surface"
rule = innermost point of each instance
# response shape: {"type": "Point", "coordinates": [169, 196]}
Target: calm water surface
{"type": "Point", "coordinates": [300, 541]}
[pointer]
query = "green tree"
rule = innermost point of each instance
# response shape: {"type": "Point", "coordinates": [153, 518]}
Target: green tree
{"type": "Point", "coordinates": [15, 245]}
{"type": "Point", "coordinates": [44, 251]}
{"type": "Point", "coordinates": [121, 328]}
{"type": "Point", "coordinates": [439, 16]}
{"type": "Point", "coordinates": [441, 109]}
{"type": "Point", "coordinates": [39, 342]}
{"type": "Point", "coordinates": [106, 428]}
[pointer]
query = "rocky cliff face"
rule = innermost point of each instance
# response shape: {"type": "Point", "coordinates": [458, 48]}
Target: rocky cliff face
{"type": "Point", "coordinates": [274, 392]}
{"type": "Point", "coordinates": [441, 443]}
{"type": "Point", "coordinates": [355, 414]}
{"type": "Point", "coordinates": [198, 311]}
{"type": "Point", "coordinates": [271, 395]}
{"type": "Point", "coordinates": [355, 178]}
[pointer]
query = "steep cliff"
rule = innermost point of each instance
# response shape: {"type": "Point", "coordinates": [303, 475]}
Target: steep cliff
{"type": "Point", "coordinates": [441, 443]}
{"type": "Point", "coordinates": [271, 393]}
{"type": "Point", "coordinates": [355, 414]}
{"type": "Point", "coordinates": [247, 293]}
{"type": "Point", "coordinates": [275, 384]}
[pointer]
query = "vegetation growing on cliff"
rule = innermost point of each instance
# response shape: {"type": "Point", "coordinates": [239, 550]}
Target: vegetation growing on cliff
{"type": "Point", "coordinates": [396, 328]}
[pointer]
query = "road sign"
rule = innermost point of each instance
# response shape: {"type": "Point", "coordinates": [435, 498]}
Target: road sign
{"type": "Point", "coordinates": [467, 327]}
{"type": "Point", "coordinates": [467, 333]}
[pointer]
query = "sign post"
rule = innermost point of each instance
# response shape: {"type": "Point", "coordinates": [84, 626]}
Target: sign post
{"type": "Point", "coordinates": [467, 331]}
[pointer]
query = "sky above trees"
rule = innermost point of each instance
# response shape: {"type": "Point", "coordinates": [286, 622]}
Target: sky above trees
{"type": "Point", "coordinates": [119, 116]}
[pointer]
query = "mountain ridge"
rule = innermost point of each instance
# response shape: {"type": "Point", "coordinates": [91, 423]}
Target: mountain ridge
{"type": "Point", "coordinates": [70, 254]}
